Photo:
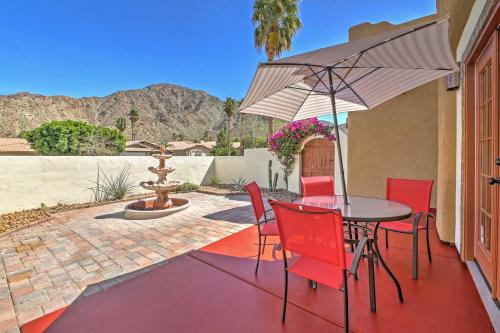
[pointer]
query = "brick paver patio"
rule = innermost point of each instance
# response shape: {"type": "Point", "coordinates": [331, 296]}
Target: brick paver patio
{"type": "Point", "coordinates": [74, 254]}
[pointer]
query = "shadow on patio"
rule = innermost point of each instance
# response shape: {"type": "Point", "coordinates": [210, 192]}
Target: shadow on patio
{"type": "Point", "coordinates": [215, 290]}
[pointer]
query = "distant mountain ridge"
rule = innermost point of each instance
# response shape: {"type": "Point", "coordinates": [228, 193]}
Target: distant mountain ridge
{"type": "Point", "coordinates": [164, 109]}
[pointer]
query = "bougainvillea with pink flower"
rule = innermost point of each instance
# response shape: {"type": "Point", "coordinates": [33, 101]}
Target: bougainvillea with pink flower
{"type": "Point", "coordinates": [286, 143]}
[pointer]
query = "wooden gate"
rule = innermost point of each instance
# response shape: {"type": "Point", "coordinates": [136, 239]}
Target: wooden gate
{"type": "Point", "coordinates": [317, 158]}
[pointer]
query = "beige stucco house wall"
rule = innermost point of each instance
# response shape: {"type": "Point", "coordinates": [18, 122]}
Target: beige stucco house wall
{"type": "Point", "coordinates": [412, 135]}
{"type": "Point", "coordinates": [395, 139]}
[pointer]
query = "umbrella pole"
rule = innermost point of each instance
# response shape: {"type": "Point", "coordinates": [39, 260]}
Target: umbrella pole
{"type": "Point", "coordinates": [337, 138]}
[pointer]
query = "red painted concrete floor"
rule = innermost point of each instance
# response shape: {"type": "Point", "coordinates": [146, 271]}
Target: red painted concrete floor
{"type": "Point", "coordinates": [215, 290]}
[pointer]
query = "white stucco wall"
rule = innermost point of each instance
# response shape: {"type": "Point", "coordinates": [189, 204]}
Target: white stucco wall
{"type": "Point", "coordinates": [252, 166]}
{"type": "Point", "coordinates": [28, 181]}
{"type": "Point", "coordinates": [471, 24]}
{"type": "Point", "coordinates": [343, 146]}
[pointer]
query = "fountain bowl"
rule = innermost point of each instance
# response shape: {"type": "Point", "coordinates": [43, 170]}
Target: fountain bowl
{"type": "Point", "coordinates": [143, 210]}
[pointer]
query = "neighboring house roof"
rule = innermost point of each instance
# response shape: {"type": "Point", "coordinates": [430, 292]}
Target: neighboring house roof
{"type": "Point", "coordinates": [141, 146]}
{"type": "Point", "coordinates": [186, 145]}
{"type": "Point", "coordinates": [15, 145]}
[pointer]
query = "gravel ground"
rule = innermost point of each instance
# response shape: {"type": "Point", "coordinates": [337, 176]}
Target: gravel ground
{"type": "Point", "coordinates": [15, 220]}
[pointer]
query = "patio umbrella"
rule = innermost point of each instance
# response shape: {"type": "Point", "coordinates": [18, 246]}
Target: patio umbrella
{"type": "Point", "coordinates": [354, 76]}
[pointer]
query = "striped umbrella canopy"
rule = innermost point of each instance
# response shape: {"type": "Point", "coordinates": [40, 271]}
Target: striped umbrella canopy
{"type": "Point", "coordinates": [354, 76]}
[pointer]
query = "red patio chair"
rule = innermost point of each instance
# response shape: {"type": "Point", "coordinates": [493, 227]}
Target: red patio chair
{"type": "Point", "coordinates": [319, 185]}
{"type": "Point", "coordinates": [317, 236]}
{"type": "Point", "coordinates": [416, 194]}
{"type": "Point", "coordinates": [265, 226]}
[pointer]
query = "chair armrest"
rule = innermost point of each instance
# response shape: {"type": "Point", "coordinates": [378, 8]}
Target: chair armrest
{"type": "Point", "coordinates": [357, 256]}
{"type": "Point", "coordinates": [430, 215]}
{"type": "Point", "coordinates": [266, 220]}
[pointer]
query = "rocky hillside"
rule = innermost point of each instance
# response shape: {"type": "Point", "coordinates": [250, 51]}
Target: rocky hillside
{"type": "Point", "coordinates": [164, 109]}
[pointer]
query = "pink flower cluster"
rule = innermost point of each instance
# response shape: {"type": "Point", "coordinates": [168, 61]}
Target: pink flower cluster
{"type": "Point", "coordinates": [295, 132]}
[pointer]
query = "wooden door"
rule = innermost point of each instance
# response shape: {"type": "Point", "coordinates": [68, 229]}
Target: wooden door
{"type": "Point", "coordinates": [317, 158]}
{"type": "Point", "coordinates": [487, 150]}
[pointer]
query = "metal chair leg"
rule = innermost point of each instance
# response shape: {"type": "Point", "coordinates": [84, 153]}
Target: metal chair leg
{"type": "Point", "coordinates": [264, 246]}
{"type": "Point", "coordinates": [371, 277]}
{"type": "Point", "coordinates": [428, 241]}
{"type": "Point", "coordinates": [285, 296]}
{"type": "Point", "coordinates": [258, 257]}
{"type": "Point", "coordinates": [415, 254]}
{"type": "Point", "coordinates": [346, 304]}
{"type": "Point", "coordinates": [349, 230]}
{"type": "Point", "coordinates": [386, 239]}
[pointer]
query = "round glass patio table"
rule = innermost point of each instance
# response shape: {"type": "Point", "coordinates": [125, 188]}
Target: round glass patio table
{"type": "Point", "coordinates": [368, 210]}
{"type": "Point", "coordinates": [360, 209]}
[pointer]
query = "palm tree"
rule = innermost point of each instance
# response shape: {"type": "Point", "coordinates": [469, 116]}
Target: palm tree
{"type": "Point", "coordinates": [229, 109]}
{"type": "Point", "coordinates": [121, 124]}
{"type": "Point", "coordinates": [276, 22]}
{"type": "Point", "coordinates": [134, 117]}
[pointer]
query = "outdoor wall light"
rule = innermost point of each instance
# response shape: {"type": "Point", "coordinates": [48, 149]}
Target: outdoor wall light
{"type": "Point", "coordinates": [453, 81]}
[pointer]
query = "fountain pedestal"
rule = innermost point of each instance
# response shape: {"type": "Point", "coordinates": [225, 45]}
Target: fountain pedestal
{"type": "Point", "coordinates": [163, 205]}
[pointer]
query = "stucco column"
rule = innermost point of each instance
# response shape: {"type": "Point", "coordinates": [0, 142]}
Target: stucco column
{"type": "Point", "coordinates": [446, 166]}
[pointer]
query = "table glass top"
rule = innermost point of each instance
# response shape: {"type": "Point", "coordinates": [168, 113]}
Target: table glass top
{"type": "Point", "coordinates": [361, 209]}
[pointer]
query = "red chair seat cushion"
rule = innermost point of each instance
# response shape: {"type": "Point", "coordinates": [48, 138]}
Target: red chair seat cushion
{"type": "Point", "coordinates": [320, 271]}
{"type": "Point", "coordinates": [400, 226]}
{"type": "Point", "coordinates": [269, 229]}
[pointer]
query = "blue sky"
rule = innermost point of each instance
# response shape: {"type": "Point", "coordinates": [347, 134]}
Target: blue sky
{"type": "Point", "coordinates": [95, 47]}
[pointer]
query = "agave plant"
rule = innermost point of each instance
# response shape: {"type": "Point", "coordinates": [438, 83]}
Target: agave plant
{"type": "Point", "coordinates": [239, 184]}
{"type": "Point", "coordinates": [112, 187]}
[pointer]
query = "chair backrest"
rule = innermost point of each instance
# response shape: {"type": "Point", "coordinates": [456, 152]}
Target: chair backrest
{"type": "Point", "coordinates": [256, 198]}
{"type": "Point", "coordinates": [311, 231]}
{"type": "Point", "coordinates": [415, 193]}
{"type": "Point", "coordinates": [319, 185]}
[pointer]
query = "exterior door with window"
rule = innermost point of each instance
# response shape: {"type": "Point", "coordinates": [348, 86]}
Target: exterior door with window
{"type": "Point", "coordinates": [487, 171]}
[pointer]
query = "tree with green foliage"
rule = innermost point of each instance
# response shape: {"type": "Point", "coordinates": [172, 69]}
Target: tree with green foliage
{"type": "Point", "coordinates": [71, 137]}
{"type": "Point", "coordinates": [276, 22]}
{"type": "Point", "coordinates": [134, 118]}
{"type": "Point", "coordinates": [252, 142]}
{"type": "Point", "coordinates": [121, 124]}
{"type": "Point", "coordinates": [229, 109]}
{"type": "Point", "coordinates": [221, 147]}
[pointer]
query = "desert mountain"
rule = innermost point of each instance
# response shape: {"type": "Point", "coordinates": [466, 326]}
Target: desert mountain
{"type": "Point", "coordinates": [164, 110]}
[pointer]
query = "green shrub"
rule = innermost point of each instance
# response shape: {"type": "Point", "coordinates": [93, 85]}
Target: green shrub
{"type": "Point", "coordinates": [215, 181]}
{"type": "Point", "coordinates": [187, 187]}
{"type": "Point", "coordinates": [70, 137]}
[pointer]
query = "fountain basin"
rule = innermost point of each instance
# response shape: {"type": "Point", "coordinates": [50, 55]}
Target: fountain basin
{"type": "Point", "coordinates": [161, 171]}
{"type": "Point", "coordinates": [167, 186]}
{"type": "Point", "coordinates": [143, 210]}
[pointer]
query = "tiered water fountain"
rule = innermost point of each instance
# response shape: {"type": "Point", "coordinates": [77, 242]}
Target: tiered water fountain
{"type": "Point", "coordinates": [162, 205]}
